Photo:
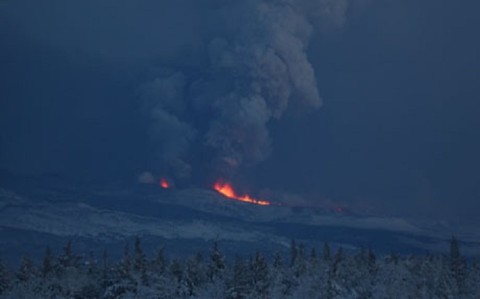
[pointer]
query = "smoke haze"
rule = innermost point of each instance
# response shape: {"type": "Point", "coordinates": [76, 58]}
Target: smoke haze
{"type": "Point", "coordinates": [256, 67]}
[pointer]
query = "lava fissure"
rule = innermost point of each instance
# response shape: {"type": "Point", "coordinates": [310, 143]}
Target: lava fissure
{"type": "Point", "coordinates": [164, 183]}
{"type": "Point", "coordinates": [227, 190]}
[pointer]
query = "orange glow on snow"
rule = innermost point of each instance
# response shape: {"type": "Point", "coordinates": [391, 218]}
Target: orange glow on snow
{"type": "Point", "coordinates": [164, 183]}
{"type": "Point", "coordinates": [227, 190]}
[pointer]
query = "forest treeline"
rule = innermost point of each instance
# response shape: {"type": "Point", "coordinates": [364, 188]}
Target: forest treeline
{"type": "Point", "coordinates": [299, 273]}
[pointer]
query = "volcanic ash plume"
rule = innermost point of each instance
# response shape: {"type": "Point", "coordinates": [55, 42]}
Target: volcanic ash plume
{"type": "Point", "coordinates": [163, 101]}
{"type": "Point", "coordinates": [257, 66]}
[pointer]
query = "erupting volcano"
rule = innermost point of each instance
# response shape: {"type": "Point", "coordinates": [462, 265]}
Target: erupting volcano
{"type": "Point", "coordinates": [227, 190]}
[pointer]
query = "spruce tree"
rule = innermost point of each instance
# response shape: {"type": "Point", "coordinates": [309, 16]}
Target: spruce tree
{"type": "Point", "coordinates": [313, 262]}
{"type": "Point", "coordinates": [124, 282]}
{"type": "Point", "coordinates": [259, 274]}
{"type": "Point", "coordinates": [126, 262]}
{"type": "Point", "coordinates": [5, 279]}
{"type": "Point", "coordinates": [277, 260]}
{"type": "Point", "coordinates": [239, 285]}
{"type": "Point", "coordinates": [176, 270]}
{"type": "Point", "coordinates": [300, 263]}
{"type": "Point", "coordinates": [140, 264]}
{"type": "Point", "coordinates": [371, 259]}
{"type": "Point", "coordinates": [48, 263]}
{"type": "Point", "coordinates": [217, 263]}
{"type": "Point", "coordinates": [293, 253]}
{"type": "Point", "coordinates": [339, 257]}
{"type": "Point", "coordinates": [457, 264]}
{"type": "Point", "coordinates": [66, 259]}
{"type": "Point", "coordinates": [160, 262]}
{"type": "Point", "coordinates": [140, 260]}
{"type": "Point", "coordinates": [326, 252]}
{"type": "Point", "coordinates": [194, 274]}
{"type": "Point", "coordinates": [105, 274]}
{"type": "Point", "coordinates": [26, 270]}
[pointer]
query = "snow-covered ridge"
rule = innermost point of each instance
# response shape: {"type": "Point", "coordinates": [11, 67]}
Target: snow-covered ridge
{"type": "Point", "coordinates": [198, 214]}
{"type": "Point", "coordinates": [211, 202]}
{"type": "Point", "coordinates": [80, 219]}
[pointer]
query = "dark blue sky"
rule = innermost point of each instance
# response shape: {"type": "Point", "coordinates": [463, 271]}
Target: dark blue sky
{"type": "Point", "coordinates": [400, 83]}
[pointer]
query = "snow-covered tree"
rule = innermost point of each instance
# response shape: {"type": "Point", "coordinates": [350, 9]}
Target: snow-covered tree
{"type": "Point", "coordinates": [360, 274]}
{"type": "Point", "coordinates": [238, 285]}
{"type": "Point", "coordinates": [159, 263]}
{"type": "Point", "coordinates": [5, 278]}
{"type": "Point", "coordinates": [26, 270]}
{"type": "Point", "coordinates": [48, 263]}
{"type": "Point", "coordinates": [216, 268]}
{"type": "Point", "coordinates": [326, 251]}
{"type": "Point", "coordinates": [458, 266]}
{"type": "Point", "coordinates": [195, 275]}
{"type": "Point", "coordinates": [259, 276]}
{"type": "Point", "coordinates": [393, 279]}
{"type": "Point", "coordinates": [473, 279]}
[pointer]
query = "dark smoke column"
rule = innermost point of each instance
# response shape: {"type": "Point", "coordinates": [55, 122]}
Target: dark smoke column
{"type": "Point", "coordinates": [257, 65]}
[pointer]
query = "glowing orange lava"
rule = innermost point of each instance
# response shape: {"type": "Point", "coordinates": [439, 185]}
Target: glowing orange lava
{"type": "Point", "coordinates": [164, 183]}
{"type": "Point", "coordinates": [227, 190]}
